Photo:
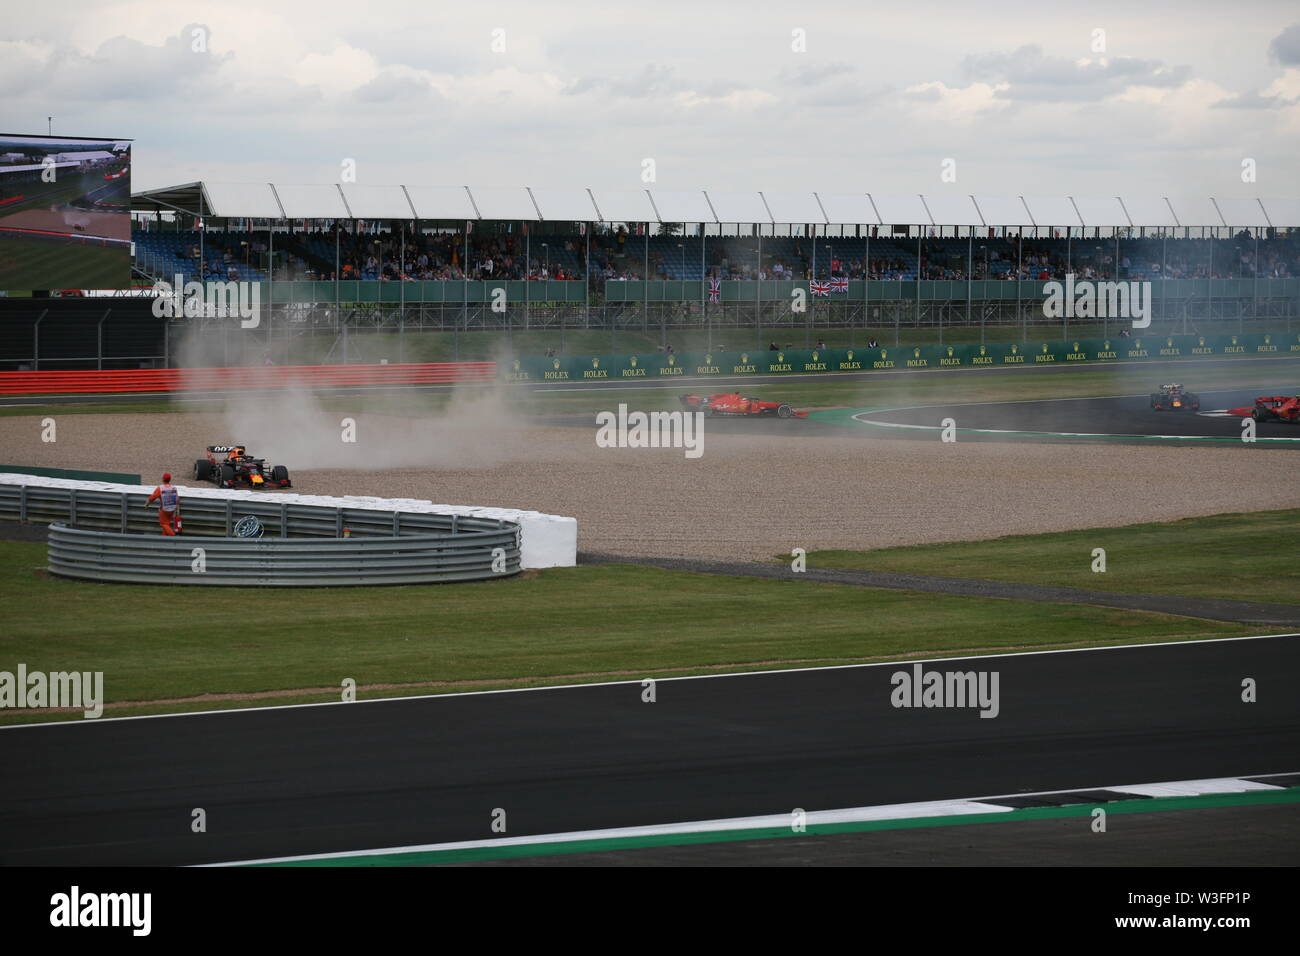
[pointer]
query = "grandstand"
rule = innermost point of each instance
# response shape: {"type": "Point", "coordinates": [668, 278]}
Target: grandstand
{"type": "Point", "coordinates": [360, 273]}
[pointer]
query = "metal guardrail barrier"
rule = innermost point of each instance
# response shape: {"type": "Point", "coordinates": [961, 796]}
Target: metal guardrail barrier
{"type": "Point", "coordinates": [280, 562]}
{"type": "Point", "coordinates": [114, 536]}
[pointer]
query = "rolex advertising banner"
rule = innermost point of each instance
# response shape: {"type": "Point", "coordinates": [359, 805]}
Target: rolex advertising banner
{"type": "Point", "coordinates": [763, 362]}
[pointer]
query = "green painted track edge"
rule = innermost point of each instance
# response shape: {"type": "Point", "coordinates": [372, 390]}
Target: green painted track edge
{"type": "Point", "coordinates": [596, 845]}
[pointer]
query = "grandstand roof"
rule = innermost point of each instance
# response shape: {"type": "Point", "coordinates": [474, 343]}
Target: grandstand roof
{"type": "Point", "coordinates": [524, 203]}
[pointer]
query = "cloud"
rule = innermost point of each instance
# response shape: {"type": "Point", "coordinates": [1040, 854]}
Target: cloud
{"type": "Point", "coordinates": [1251, 100]}
{"type": "Point", "coordinates": [959, 103]}
{"type": "Point", "coordinates": [1285, 47]}
{"type": "Point", "coordinates": [290, 88]}
{"type": "Point", "coordinates": [652, 80]}
{"type": "Point", "coordinates": [806, 75]}
{"type": "Point", "coordinates": [1028, 74]}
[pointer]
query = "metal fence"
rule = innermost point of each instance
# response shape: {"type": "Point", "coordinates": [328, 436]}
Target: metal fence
{"type": "Point", "coordinates": [280, 562]}
{"type": "Point", "coordinates": [114, 536]}
{"type": "Point", "coordinates": [314, 334]}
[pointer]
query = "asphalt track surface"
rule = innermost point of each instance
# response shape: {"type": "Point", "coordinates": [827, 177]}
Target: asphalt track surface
{"type": "Point", "coordinates": [1127, 419]}
{"type": "Point", "coordinates": [288, 781]}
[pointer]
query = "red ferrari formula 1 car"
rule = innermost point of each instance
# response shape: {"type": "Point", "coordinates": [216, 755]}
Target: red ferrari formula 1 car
{"type": "Point", "coordinates": [1272, 408]}
{"type": "Point", "coordinates": [239, 469]}
{"type": "Point", "coordinates": [1174, 398]}
{"type": "Point", "coordinates": [733, 403]}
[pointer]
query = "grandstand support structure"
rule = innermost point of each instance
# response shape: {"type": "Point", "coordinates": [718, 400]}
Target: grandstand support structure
{"type": "Point", "coordinates": [357, 274]}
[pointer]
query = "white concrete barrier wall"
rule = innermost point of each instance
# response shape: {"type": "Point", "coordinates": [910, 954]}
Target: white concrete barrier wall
{"type": "Point", "coordinates": [546, 541]}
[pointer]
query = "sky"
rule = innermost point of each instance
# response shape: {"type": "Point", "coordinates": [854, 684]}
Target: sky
{"type": "Point", "coordinates": [987, 98]}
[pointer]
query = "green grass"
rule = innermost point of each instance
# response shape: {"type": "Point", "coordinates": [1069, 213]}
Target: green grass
{"type": "Point", "coordinates": [40, 264]}
{"type": "Point", "coordinates": [563, 625]}
{"type": "Point", "coordinates": [1245, 557]}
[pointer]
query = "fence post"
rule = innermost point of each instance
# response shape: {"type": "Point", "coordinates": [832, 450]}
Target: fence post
{"type": "Point", "coordinates": [284, 520]}
{"type": "Point", "coordinates": [397, 523]}
{"type": "Point", "coordinates": [22, 502]}
{"type": "Point", "coordinates": [228, 517]}
{"type": "Point", "coordinates": [72, 507]}
{"type": "Point", "coordinates": [36, 340]}
{"type": "Point", "coordinates": [125, 505]}
{"type": "Point", "coordinates": [99, 340]}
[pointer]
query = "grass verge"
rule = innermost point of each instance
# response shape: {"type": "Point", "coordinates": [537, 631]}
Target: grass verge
{"type": "Point", "coordinates": [163, 646]}
{"type": "Point", "coordinates": [1243, 557]}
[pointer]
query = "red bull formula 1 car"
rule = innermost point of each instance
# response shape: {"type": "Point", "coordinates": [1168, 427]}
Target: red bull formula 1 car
{"type": "Point", "coordinates": [1272, 408]}
{"type": "Point", "coordinates": [239, 469]}
{"type": "Point", "coordinates": [1175, 398]}
{"type": "Point", "coordinates": [733, 403]}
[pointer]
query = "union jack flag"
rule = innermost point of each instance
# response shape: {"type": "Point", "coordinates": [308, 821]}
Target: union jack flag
{"type": "Point", "coordinates": [715, 290]}
{"type": "Point", "coordinates": [819, 288]}
{"type": "Point", "coordinates": [839, 285]}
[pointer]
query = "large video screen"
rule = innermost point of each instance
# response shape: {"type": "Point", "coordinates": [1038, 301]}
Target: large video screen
{"type": "Point", "coordinates": [65, 205]}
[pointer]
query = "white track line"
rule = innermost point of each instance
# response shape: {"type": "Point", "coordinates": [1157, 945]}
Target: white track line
{"type": "Point", "coordinates": [1195, 788]}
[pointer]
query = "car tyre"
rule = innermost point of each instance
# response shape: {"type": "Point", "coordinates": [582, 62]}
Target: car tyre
{"type": "Point", "coordinates": [227, 477]}
{"type": "Point", "coordinates": [202, 470]}
{"type": "Point", "coordinates": [784, 411]}
{"type": "Point", "coordinates": [280, 474]}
